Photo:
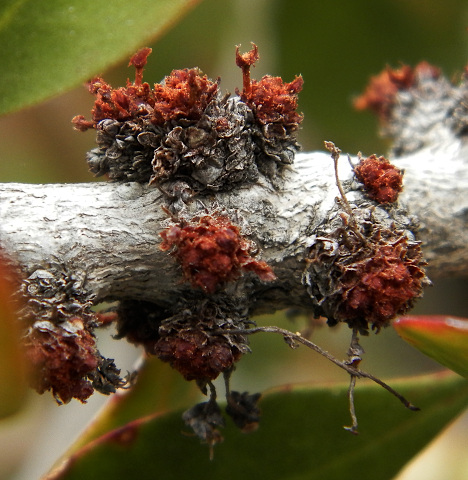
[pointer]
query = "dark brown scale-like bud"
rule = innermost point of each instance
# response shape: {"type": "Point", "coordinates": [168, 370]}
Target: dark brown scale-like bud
{"type": "Point", "coordinates": [139, 321]}
{"type": "Point", "coordinates": [215, 154]}
{"type": "Point", "coordinates": [125, 150]}
{"type": "Point", "coordinates": [276, 148]}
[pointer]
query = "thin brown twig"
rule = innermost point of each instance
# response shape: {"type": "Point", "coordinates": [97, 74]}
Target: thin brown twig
{"type": "Point", "coordinates": [355, 352]}
{"type": "Point", "coordinates": [335, 154]}
{"type": "Point", "coordinates": [352, 409]}
{"type": "Point", "coordinates": [349, 368]}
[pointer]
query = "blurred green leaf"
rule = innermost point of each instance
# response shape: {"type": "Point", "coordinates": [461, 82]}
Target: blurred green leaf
{"type": "Point", "coordinates": [443, 338]}
{"type": "Point", "coordinates": [49, 47]}
{"type": "Point", "coordinates": [338, 46]}
{"type": "Point", "coordinates": [159, 388]}
{"type": "Point", "coordinates": [12, 362]}
{"type": "Point", "coordinates": [300, 437]}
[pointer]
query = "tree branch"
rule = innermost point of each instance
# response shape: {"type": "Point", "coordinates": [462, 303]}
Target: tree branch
{"type": "Point", "coordinates": [108, 234]}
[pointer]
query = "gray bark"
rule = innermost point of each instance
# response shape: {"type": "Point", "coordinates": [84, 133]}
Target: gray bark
{"type": "Point", "coordinates": [107, 234]}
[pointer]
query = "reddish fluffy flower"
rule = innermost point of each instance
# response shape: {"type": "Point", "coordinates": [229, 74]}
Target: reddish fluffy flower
{"type": "Point", "coordinates": [62, 359]}
{"type": "Point", "coordinates": [211, 252]}
{"type": "Point", "coordinates": [379, 95]}
{"type": "Point", "coordinates": [272, 100]}
{"type": "Point", "coordinates": [365, 284]}
{"type": "Point", "coordinates": [380, 287]}
{"type": "Point", "coordinates": [381, 92]}
{"type": "Point", "coordinates": [382, 180]}
{"type": "Point", "coordinates": [184, 94]}
{"type": "Point", "coordinates": [197, 356]}
{"type": "Point", "coordinates": [134, 100]}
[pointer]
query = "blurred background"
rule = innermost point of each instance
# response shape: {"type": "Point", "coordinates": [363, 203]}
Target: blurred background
{"type": "Point", "coordinates": [336, 46]}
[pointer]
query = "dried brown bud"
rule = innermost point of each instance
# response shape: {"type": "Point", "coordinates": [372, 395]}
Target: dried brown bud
{"type": "Point", "coordinates": [205, 419]}
{"type": "Point", "coordinates": [243, 409]}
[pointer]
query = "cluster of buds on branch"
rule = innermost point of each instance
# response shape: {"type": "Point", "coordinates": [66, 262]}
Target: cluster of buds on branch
{"type": "Point", "coordinates": [361, 264]}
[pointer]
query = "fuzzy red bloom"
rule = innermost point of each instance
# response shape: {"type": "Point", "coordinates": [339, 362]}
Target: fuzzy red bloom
{"type": "Point", "coordinates": [212, 251]}
{"type": "Point", "coordinates": [380, 287]}
{"type": "Point", "coordinates": [381, 92]}
{"type": "Point", "coordinates": [134, 100]}
{"type": "Point", "coordinates": [365, 283]}
{"type": "Point", "coordinates": [379, 95]}
{"type": "Point", "coordinates": [62, 360]}
{"type": "Point", "coordinates": [184, 94]}
{"type": "Point", "coordinates": [195, 355]}
{"type": "Point", "coordinates": [382, 180]}
{"type": "Point", "coordinates": [272, 100]}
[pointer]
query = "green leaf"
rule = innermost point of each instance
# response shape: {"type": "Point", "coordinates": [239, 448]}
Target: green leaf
{"type": "Point", "coordinates": [443, 338]}
{"type": "Point", "coordinates": [12, 362]}
{"type": "Point", "coordinates": [159, 388]}
{"type": "Point", "coordinates": [300, 437]}
{"type": "Point", "coordinates": [49, 47]}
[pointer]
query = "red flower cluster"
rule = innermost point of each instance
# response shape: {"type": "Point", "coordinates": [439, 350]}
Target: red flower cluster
{"type": "Point", "coordinates": [365, 281]}
{"type": "Point", "coordinates": [382, 285]}
{"type": "Point", "coordinates": [380, 94]}
{"type": "Point", "coordinates": [272, 100]}
{"type": "Point", "coordinates": [382, 180]}
{"type": "Point", "coordinates": [196, 355]}
{"type": "Point", "coordinates": [212, 251]}
{"type": "Point", "coordinates": [62, 360]}
{"type": "Point", "coordinates": [185, 93]}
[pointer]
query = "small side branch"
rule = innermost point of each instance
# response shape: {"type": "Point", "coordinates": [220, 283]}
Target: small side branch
{"type": "Point", "coordinates": [347, 366]}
